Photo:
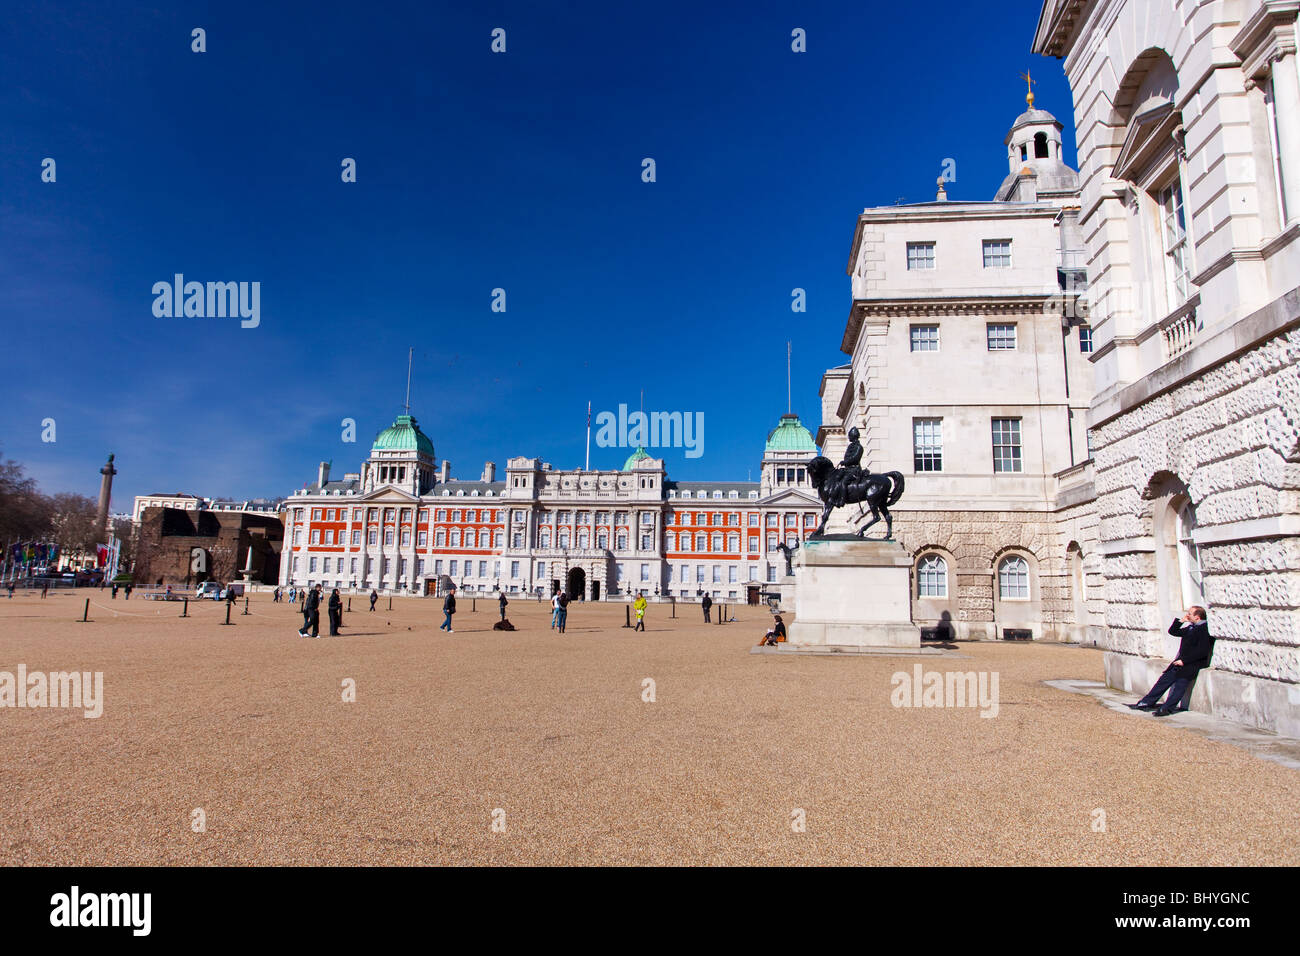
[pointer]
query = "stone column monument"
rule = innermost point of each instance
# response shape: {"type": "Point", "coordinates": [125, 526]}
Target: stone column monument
{"type": "Point", "coordinates": [105, 495]}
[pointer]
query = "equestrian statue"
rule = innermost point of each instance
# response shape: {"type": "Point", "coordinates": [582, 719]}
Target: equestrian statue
{"type": "Point", "coordinates": [850, 484]}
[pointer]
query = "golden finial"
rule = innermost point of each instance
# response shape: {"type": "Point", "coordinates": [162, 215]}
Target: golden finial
{"type": "Point", "coordinates": [1029, 87]}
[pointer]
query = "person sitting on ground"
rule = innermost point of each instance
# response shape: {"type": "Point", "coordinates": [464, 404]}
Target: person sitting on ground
{"type": "Point", "coordinates": [775, 634]}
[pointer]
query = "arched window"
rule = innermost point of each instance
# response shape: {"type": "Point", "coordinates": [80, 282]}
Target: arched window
{"type": "Point", "coordinates": [1040, 146]}
{"type": "Point", "coordinates": [932, 577]}
{"type": "Point", "coordinates": [1013, 578]}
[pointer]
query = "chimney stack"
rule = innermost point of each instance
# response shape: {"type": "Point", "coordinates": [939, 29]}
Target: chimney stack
{"type": "Point", "coordinates": [490, 471]}
{"type": "Point", "coordinates": [322, 475]}
{"type": "Point", "coordinates": [444, 471]}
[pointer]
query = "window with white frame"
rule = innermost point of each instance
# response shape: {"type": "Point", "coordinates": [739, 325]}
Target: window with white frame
{"type": "Point", "coordinates": [1173, 234]}
{"type": "Point", "coordinates": [1085, 339]}
{"type": "Point", "coordinates": [920, 255]}
{"type": "Point", "coordinates": [997, 253]}
{"type": "Point", "coordinates": [927, 444]}
{"type": "Point", "coordinates": [924, 338]}
{"type": "Point", "coordinates": [1001, 337]}
{"type": "Point", "coordinates": [1006, 445]}
{"type": "Point", "coordinates": [932, 577]}
{"type": "Point", "coordinates": [1013, 578]}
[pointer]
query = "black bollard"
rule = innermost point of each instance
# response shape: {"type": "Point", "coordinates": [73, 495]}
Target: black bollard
{"type": "Point", "coordinates": [674, 608]}
{"type": "Point", "coordinates": [627, 616]}
{"type": "Point", "coordinates": [349, 604]}
{"type": "Point", "coordinates": [185, 608]}
{"type": "Point", "coordinates": [226, 622]}
{"type": "Point", "coordinates": [390, 602]}
{"type": "Point", "coordinates": [85, 615]}
{"type": "Point", "coordinates": [473, 605]}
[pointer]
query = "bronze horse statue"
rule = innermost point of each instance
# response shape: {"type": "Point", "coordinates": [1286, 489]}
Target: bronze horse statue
{"type": "Point", "coordinates": [877, 491]}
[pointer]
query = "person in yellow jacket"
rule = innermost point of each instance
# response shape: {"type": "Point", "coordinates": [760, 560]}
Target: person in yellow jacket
{"type": "Point", "coordinates": [639, 605]}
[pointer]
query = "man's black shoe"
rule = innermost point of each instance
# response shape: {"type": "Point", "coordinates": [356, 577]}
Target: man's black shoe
{"type": "Point", "coordinates": [1141, 706]}
{"type": "Point", "coordinates": [1162, 712]}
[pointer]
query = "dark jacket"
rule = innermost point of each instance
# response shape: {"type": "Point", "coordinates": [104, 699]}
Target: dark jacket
{"type": "Point", "coordinates": [336, 602]}
{"type": "Point", "coordinates": [1195, 644]}
{"type": "Point", "coordinates": [449, 604]}
{"type": "Point", "coordinates": [312, 603]}
{"type": "Point", "coordinates": [707, 602]}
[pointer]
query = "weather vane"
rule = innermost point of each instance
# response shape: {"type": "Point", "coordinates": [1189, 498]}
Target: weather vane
{"type": "Point", "coordinates": [1029, 88]}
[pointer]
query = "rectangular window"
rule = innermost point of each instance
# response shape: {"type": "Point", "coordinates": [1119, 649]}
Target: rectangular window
{"type": "Point", "coordinates": [422, 539]}
{"type": "Point", "coordinates": [925, 338]}
{"type": "Point", "coordinates": [437, 567]}
{"type": "Point", "coordinates": [388, 536]}
{"type": "Point", "coordinates": [424, 515]}
{"type": "Point", "coordinates": [997, 253]}
{"type": "Point", "coordinates": [1174, 233]}
{"type": "Point", "coordinates": [717, 574]}
{"type": "Point", "coordinates": [311, 565]}
{"type": "Point", "coordinates": [1085, 339]}
{"type": "Point", "coordinates": [920, 255]}
{"type": "Point", "coordinates": [453, 565]}
{"type": "Point", "coordinates": [514, 569]}
{"type": "Point", "coordinates": [356, 539]}
{"type": "Point", "coordinates": [1002, 338]}
{"type": "Point", "coordinates": [645, 572]}
{"type": "Point", "coordinates": [1006, 444]}
{"type": "Point", "coordinates": [541, 569]}
{"type": "Point", "coordinates": [731, 574]}
{"type": "Point", "coordinates": [325, 565]}
{"type": "Point", "coordinates": [374, 536]}
{"type": "Point", "coordinates": [406, 538]}
{"type": "Point", "coordinates": [482, 569]}
{"type": "Point", "coordinates": [315, 537]}
{"type": "Point", "coordinates": [419, 568]}
{"type": "Point", "coordinates": [645, 542]}
{"type": "Point", "coordinates": [927, 444]}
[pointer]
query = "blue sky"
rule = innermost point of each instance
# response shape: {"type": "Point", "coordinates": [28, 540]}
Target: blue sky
{"type": "Point", "coordinates": [475, 171]}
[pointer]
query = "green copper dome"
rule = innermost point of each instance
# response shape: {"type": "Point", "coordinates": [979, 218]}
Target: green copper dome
{"type": "Point", "coordinates": [403, 435]}
{"type": "Point", "coordinates": [633, 458]}
{"type": "Point", "coordinates": [790, 435]}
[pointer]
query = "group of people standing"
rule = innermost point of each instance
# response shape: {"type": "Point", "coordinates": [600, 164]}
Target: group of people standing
{"type": "Point", "coordinates": [311, 612]}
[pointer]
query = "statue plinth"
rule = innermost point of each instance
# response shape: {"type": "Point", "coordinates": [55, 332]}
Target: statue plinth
{"type": "Point", "coordinates": [853, 592]}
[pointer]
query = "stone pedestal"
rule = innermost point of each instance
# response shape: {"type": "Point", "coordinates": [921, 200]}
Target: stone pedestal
{"type": "Point", "coordinates": [853, 593]}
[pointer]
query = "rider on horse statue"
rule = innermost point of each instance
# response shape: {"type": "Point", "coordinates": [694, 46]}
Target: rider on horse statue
{"type": "Point", "coordinates": [850, 469]}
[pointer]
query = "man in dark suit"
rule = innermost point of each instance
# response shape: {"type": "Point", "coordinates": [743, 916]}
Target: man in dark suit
{"type": "Point", "coordinates": [1194, 649]}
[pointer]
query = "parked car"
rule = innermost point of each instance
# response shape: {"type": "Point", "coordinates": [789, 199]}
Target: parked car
{"type": "Point", "coordinates": [209, 590]}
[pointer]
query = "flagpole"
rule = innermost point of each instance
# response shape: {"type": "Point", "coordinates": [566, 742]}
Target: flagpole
{"type": "Point", "coordinates": [588, 465]}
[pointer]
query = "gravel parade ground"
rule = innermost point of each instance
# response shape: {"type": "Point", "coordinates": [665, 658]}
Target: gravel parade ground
{"type": "Point", "coordinates": [549, 736]}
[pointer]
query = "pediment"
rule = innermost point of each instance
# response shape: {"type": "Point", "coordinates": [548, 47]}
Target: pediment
{"type": "Point", "coordinates": [1150, 135]}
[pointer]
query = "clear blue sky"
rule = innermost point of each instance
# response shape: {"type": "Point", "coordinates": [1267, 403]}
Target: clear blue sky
{"type": "Point", "coordinates": [475, 171]}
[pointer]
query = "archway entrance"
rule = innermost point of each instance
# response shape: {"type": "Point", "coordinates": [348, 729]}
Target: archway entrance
{"type": "Point", "coordinates": [577, 584]}
{"type": "Point", "coordinates": [595, 590]}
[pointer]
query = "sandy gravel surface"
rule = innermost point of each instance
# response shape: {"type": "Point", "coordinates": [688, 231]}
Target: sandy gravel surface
{"type": "Point", "coordinates": [248, 723]}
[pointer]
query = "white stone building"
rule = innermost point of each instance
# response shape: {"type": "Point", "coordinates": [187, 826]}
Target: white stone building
{"type": "Point", "coordinates": [1188, 120]}
{"type": "Point", "coordinates": [404, 525]}
{"type": "Point", "coordinates": [969, 374]}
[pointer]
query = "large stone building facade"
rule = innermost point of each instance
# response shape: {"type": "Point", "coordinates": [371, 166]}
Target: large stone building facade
{"type": "Point", "coordinates": [1188, 119]}
{"type": "Point", "coordinates": [969, 374]}
{"type": "Point", "coordinates": [403, 525]}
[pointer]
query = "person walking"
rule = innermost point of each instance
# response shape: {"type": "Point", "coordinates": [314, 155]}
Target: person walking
{"type": "Point", "coordinates": [336, 613]}
{"type": "Point", "coordinates": [374, 596]}
{"type": "Point", "coordinates": [503, 602]}
{"type": "Point", "coordinates": [639, 606]}
{"type": "Point", "coordinates": [127, 595]}
{"type": "Point", "coordinates": [707, 603]}
{"type": "Point", "coordinates": [448, 610]}
{"type": "Point", "coordinates": [1195, 647]}
{"type": "Point", "coordinates": [11, 589]}
{"type": "Point", "coordinates": [555, 609]}
{"type": "Point", "coordinates": [563, 616]}
{"type": "Point", "coordinates": [311, 613]}
{"type": "Point", "coordinates": [45, 590]}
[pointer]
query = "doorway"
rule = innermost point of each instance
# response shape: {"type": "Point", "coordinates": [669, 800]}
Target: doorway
{"type": "Point", "coordinates": [577, 584]}
{"type": "Point", "coordinates": [595, 590]}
